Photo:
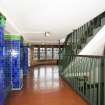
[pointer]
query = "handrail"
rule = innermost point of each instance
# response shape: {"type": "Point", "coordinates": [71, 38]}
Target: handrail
{"type": "Point", "coordinates": [90, 56]}
{"type": "Point", "coordinates": [86, 75]}
{"type": "Point", "coordinates": [82, 33]}
{"type": "Point", "coordinates": [92, 20]}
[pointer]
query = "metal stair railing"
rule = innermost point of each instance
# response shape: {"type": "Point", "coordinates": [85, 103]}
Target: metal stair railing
{"type": "Point", "coordinates": [77, 40]}
{"type": "Point", "coordinates": [86, 74]}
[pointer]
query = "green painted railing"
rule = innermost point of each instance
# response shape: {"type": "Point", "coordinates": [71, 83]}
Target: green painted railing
{"type": "Point", "coordinates": [86, 74]}
{"type": "Point", "coordinates": [77, 39]}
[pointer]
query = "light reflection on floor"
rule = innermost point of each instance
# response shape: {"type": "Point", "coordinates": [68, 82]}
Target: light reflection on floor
{"type": "Point", "coordinates": [46, 78]}
{"type": "Point", "coordinates": [44, 87]}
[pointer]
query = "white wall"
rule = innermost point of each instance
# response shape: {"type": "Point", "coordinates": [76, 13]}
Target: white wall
{"type": "Point", "coordinates": [96, 45]}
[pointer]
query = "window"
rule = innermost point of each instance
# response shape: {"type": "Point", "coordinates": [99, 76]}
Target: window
{"type": "Point", "coordinates": [42, 53]}
{"type": "Point", "coordinates": [49, 53]}
{"type": "Point", "coordinates": [45, 53]}
{"type": "Point", "coordinates": [35, 54]}
{"type": "Point", "coordinates": [56, 53]}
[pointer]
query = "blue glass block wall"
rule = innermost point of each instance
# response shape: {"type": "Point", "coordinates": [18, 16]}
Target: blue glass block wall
{"type": "Point", "coordinates": [16, 69]}
{"type": "Point", "coordinates": [2, 82]}
{"type": "Point", "coordinates": [2, 60]}
{"type": "Point", "coordinates": [7, 70]}
{"type": "Point", "coordinates": [21, 55]}
{"type": "Point", "coordinates": [25, 59]}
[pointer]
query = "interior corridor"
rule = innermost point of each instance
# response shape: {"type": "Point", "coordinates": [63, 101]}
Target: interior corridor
{"type": "Point", "coordinates": [43, 86]}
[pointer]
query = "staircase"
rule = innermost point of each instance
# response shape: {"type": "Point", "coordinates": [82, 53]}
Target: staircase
{"type": "Point", "coordinates": [84, 73]}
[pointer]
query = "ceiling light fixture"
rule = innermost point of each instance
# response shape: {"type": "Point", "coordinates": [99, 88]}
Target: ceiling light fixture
{"type": "Point", "coordinates": [47, 34]}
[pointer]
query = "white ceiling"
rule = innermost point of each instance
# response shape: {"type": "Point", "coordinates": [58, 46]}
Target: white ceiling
{"type": "Point", "coordinates": [32, 18]}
